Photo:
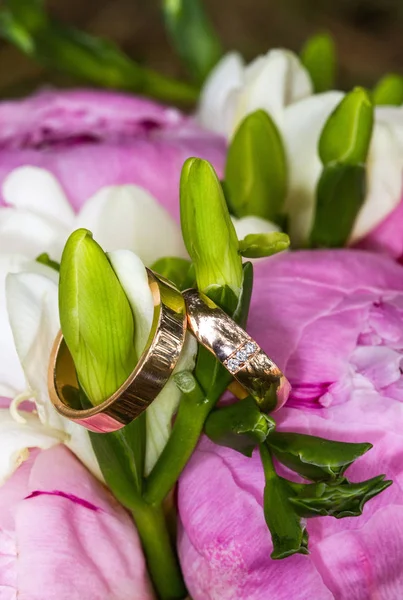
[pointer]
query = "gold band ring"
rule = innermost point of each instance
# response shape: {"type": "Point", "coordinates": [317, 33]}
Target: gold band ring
{"type": "Point", "coordinates": [237, 351]}
{"type": "Point", "coordinates": [147, 379]}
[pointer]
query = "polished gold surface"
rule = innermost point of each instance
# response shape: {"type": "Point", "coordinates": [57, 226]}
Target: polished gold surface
{"type": "Point", "coordinates": [258, 375]}
{"type": "Point", "coordinates": [151, 373]}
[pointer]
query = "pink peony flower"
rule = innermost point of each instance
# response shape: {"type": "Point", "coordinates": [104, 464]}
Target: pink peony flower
{"type": "Point", "coordinates": [92, 139]}
{"type": "Point", "coordinates": [62, 535]}
{"type": "Point", "coordinates": [333, 320]}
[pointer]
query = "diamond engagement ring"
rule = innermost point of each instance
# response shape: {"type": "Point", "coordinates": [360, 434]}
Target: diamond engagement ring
{"type": "Point", "coordinates": [256, 373]}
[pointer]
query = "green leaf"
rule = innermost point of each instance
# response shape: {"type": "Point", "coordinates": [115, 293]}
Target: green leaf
{"type": "Point", "coordinates": [68, 50]}
{"type": "Point", "coordinates": [192, 36]}
{"type": "Point", "coordinates": [347, 133]}
{"type": "Point", "coordinates": [340, 194]}
{"type": "Point", "coordinates": [44, 259]}
{"type": "Point", "coordinates": [319, 58]}
{"type": "Point", "coordinates": [256, 169]}
{"type": "Point", "coordinates": [337, 500]}
{"type": "Point", "coordinates": [389, 91]}
{"type": "Point", "coordinates": [289, 536]}
{"type": "Point", "coordinates": [178, 270]}
{"type": "Point", "coordinates": [313, 457]}
{"type": "Point", "coordinates": [240, 426]}
{"type": "Point", "coordinates": [207, 229]}
{"type": "Point", "coordinates": [258, 245]}
{"type": "Point", "coordinates": [96, 318]}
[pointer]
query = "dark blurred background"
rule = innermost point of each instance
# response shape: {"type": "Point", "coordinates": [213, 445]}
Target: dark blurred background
{"type": "Point", "coordinates": [368, 34]}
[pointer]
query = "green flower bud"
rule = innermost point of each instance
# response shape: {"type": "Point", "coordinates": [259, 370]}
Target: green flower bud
{"type": "Point", "coordinates": [347, 132]}
{"type": "Point", "coordinates": [256, 169]}
{"type": "Point", "coordinates": [313, 457]}
{"type": "Point", "coordinates": [338, 500]}
{"type": "Point", "coordinates": [340, 194]}
{"type": "Point", "coordinates": [389, 91]}
{"type": "Point", "coordinates": [96, 318]}
{"type": "Point", "coordinates": [207, 229]}
{"type": "Point", "coordinates": [258, 245]}
{"type": "Point", "coordinates": [319, 58]}
{"type": "Point", "coordinates": [240, 426]}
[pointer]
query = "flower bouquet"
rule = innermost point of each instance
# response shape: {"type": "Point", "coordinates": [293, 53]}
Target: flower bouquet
{"type": "Point", "coordinates": [201, 316]}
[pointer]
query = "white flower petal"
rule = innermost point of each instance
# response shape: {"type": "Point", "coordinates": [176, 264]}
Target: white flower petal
{"type": "Point", "coordinates": [227, 76]}
{"type": "Point", "coordinates": [303, 124]}
{"type": "Point", "coordinates": [133, 277]}
{"type": "Point", "coordinates": [39, 192]}
{"type": "Point", "coordinates": [17, 438]}
{"type": "Point", "coordinates": [271, 83]}
{"type": "Point", "coordinates": [252, 224]}
{"type": "Point", "coordinates": [25, 232]}
{"type": "Point", "coordinates": [12, 380]}
{"type": "Point", "coordinates": [128, 216]}
{"type": "Point", "coordinates": [384, 169]}
{"type": "Point", "coordinates": [32, 302]}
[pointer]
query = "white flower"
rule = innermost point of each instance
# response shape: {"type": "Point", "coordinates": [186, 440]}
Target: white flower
{"type": "Point", "coordinates": [303, 124]}
{"type": "Point", "coordinates": [39, 218]}
{"type": "Point", "coordinates": [233, 90]}
{"type": "Point", "coordinates": [32, 301]}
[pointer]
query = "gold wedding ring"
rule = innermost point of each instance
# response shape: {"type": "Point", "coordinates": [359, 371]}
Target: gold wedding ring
{"type": "Point", "coordinates": [258, 375]}
{"type": "Point", "coordinates": [151, 373]}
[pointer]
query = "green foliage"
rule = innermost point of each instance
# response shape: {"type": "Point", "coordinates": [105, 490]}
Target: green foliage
{"type": "Point", "coordinates": [192, 35]}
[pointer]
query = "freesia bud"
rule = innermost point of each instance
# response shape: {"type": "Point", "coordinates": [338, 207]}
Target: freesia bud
{"type": "Point", "coordinates": [95, 317]}
{"type": "Point", "coordinates": [207, 229]}
{"type": "Point", "coordinates": [258, 245]}
{"type": "Point", "coordinates": [319, 58]}
{"type": "Point", "coordinates": [256, 169]}
{"type": "Point", "coordinates": [347, 133]}
{"type": "Point", "coordinates": [240, 426]}
{"type": "Point", "coordinates": [389, 90]}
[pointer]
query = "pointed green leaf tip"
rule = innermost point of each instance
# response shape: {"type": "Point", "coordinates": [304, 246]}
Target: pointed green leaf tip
{"type": "Point", "coordinates": [256, 169]}
{"type": "Point", "coordinates": [347, 132]}
{"type": "Point", "coordinates": [319, 58]}
{"type": "Point", "coordinates": [389, 91]}
{"type": "Point", "coordinates": [95, 316]}
{"type": "Point", "coordinates": [207, 229]}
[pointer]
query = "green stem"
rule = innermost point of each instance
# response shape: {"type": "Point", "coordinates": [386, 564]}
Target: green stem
{"type": "Point", "coordinates": [162, 562]}
{"type": "Point", "coordinates": [267, 462]}
{"type": "Point", "coordinates": [194, 409]}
